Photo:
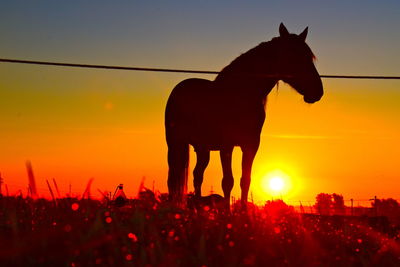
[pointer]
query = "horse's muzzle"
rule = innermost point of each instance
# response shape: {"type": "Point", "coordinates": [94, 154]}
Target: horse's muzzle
{"type": "Point", "coordinates": [311, 100]}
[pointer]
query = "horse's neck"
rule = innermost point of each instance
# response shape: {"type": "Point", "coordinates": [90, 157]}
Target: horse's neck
{"type": "Point", "coordinates": [251, 86]}
{"type": "Point", "coordinates": [247, 75]}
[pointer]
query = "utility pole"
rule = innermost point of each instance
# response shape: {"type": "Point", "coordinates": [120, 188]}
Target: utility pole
{"type": "Point", "coordinates": [375, 205]}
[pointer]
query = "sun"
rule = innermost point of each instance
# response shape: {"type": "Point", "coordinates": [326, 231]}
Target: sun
{"type": "Point", "coordinates": [279, 181]}
{"type": "Point", "coordinates": [276, 183]}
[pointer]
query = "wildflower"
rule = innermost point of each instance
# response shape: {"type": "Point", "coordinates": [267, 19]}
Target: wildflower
{"type": "Point", "coordinates": [133, 237]}
{"type": "Point", "coordinates": [75, 206]}
{"type": "Point", "coordinates": [171, 233]}
{"type": "Point", "coordinates": [129, 257]}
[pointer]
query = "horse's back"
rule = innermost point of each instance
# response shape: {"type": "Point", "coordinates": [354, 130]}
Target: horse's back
{"type": "Point", "coordinates": [208, 115]}
{"type": "Point", "coordinates": [188, 91]}
{"type": "Point", "coordinates": [185, 104]}
{"type": "Point", "coordinates": [190, 86]}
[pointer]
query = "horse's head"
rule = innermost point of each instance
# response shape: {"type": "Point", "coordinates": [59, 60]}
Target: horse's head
{"type": "Point", "coordinates": [295, 64]}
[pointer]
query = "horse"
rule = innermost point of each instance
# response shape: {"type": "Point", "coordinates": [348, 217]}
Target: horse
{"type": "Point", "coordinates": [230, 110]}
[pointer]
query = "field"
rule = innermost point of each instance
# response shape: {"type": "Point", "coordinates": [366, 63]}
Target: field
{"type": "Point", "coordinates": [150, 232]}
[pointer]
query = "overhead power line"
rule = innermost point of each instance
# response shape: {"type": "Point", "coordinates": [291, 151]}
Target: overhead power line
{"type": "Point", "coordinates": [93, 66]}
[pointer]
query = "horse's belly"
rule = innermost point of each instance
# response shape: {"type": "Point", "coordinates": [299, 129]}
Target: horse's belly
{"type": "Point", "coordinates": [214, 137]}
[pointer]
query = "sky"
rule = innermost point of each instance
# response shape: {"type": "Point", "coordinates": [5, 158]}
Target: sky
{"type": "Point", "coordinates": [75, 124]}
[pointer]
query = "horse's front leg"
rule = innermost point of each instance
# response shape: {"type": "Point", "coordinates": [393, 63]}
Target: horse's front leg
{"type": "Point", "coordinates": [247, 162]}
{"type": "Point", "coordinates": [227, 179]}
{"type": "Point", "coordinates": [203, 157]}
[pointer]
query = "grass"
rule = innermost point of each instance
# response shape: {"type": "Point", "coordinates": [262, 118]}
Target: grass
{"type": "Point", "coordinates": [151, 232]}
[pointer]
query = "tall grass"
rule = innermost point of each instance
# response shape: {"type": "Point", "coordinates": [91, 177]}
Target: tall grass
{"type": "Point", "coordinates": [151, 232]}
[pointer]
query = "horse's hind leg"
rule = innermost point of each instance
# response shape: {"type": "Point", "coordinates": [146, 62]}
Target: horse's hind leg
{"type": "Point", "coordinates": [203, 157]}
{"type": "Point", "coordinates": [247, 162]}
{"type": "Point", "coordinates": [227, 179]}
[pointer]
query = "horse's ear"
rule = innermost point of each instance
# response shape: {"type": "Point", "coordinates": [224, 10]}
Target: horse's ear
{"type": "Point", "coordinates": [283, 31]}
{"type": "Point", "coordinates": [303, 35]}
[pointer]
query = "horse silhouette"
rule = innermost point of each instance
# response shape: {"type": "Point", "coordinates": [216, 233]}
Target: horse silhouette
{"type": "Point", "coordinates": [230, 111]}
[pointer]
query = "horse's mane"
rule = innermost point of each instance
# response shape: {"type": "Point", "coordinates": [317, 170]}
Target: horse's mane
{"type": "Point", "coordinates": [239, 64]}
{"type": "Point", "coordinates": [248, 61]}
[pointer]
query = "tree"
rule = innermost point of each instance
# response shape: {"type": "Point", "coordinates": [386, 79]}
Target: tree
{"type": "Point", "coordinates": [386, 207]}
{"type": "Point", "coordinates": [323, 203]}
{"type": "Point", "coordinates": [338, 204]}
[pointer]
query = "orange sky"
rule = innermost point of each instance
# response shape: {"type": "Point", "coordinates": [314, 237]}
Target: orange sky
{"type": "Point", "coordinates": [110, 126]}
{"type": "Point", "coordinates": [74, 124]}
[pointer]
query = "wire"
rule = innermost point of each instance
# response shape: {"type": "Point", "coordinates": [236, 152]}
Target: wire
{"type": "Point", "coordinates": [92, 66]}
{"type": "Point", "coordinates": [104, 66]}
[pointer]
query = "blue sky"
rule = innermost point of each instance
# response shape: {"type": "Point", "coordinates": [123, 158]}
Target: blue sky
{"type": "Point", "coordinates": [345, 35]}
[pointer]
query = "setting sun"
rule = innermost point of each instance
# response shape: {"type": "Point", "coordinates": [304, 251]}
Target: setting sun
{"type": "Point", "coordinates": [276, 183]}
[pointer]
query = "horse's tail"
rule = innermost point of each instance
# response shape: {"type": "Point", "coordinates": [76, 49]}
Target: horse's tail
{"type": "Point", "coordinates": [178, 161]}
{"type": "Point", "coordinates": [178, 149]}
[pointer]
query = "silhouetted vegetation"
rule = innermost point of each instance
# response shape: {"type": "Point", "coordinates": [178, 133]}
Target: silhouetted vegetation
{"type": "Point", "coordinates": [330, 204]}
{"type": "Point", "coordinates": [389, 208]}
{"type": "Point", "coordinates": [323, 203]}
{"type": "Point", "coordinates": [151, 232]}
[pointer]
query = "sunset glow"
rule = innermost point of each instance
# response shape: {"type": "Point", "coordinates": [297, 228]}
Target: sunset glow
{"type": "Point", "coordinates": [199, 133]}
{"type": "Point", "coordinates": [75, 124]}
